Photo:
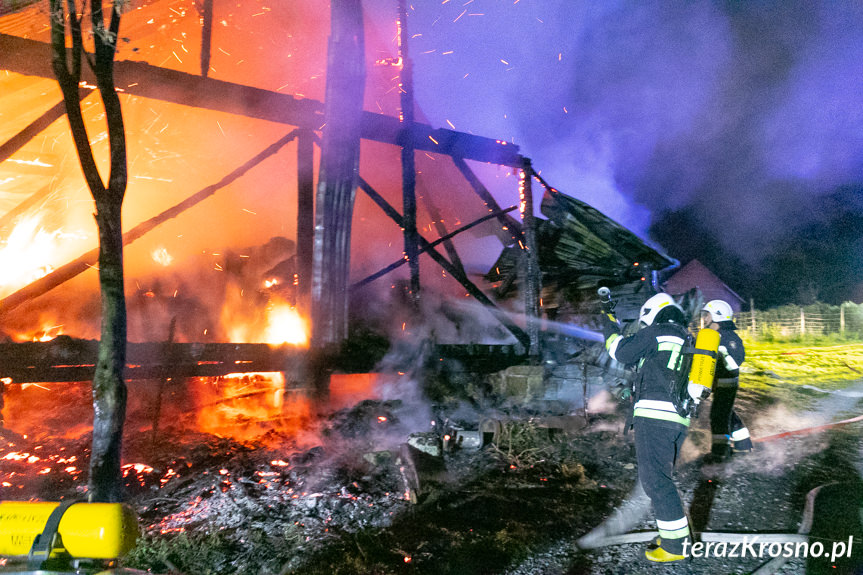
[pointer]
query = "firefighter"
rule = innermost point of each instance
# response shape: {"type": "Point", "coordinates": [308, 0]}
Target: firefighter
{"type": "Point", "coordinates": [660, 427]}
{"type": "Point", "coordinates": [729, 434]}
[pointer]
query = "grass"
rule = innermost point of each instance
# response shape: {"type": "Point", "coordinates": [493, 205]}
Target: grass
{"type": "Point", "coordinates": [780, 371]}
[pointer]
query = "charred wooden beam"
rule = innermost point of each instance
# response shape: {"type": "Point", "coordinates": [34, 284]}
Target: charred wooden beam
{"type": "Point", "coordinates": [206, 12]}
{"type": "Point", "coordinates": [409, 173]}
{"type": "Point", "coordinates": [67, 359]}
{"type": "Point", "coordinates": [30, 131]}
{"type": "Point", "coordinates": [31, 201]}
{"type": "Point", "coordinates": [337, 177]}
{"type": "Point", "coordinates": [9, 6]}
{"type": "Point", "coordinates": [471, 288]}
{"type": "Point", "coordinates": [33, 58]}
{"type": "Point", "coordinates": [305, 213]}
{"type": "Point", "coordinates": [157, 406]}
{"type": "Point", "coordinates": [445, 236]}
{"type": "Point", "coordinates": [511, 229]}
{"type": "Point", "coordinates": [478, 357]}
{"type": "Point", "coordinates": [441, 240]}
{"type": "Point", "coordinates": [530, 253]}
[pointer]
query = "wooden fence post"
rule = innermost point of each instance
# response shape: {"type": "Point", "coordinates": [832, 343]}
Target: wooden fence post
{"type": "Point", "coordinates": [752, 311]}
{"type": "Point", "coordinates": [842, 318]}
{"type": "Point", "coordinates": [802, 322]}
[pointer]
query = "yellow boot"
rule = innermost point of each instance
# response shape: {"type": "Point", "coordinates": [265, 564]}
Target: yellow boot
{"type": "Point", "coordinates": [660, 555]}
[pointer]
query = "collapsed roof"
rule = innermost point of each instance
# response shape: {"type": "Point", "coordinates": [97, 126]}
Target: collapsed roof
{"type": "Point", "coordinates": [582, 249]}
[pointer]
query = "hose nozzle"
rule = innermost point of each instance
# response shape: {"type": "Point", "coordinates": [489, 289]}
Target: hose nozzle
{"type": "Point", "coordinates": [605, 300]}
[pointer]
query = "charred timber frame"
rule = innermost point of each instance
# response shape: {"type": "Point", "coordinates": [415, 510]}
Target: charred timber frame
{"type": "Point", "coordinates": [30, 57]}
{"type": "Point", "coordinates": [33, 58]}
{"type": "Point", "coordinates": [471, 288]}
{"type": "Point", "coordinates": [512, 227]}
{"type": "Point", "coordinates": [66, 359]}
{"type": "Point", "coordinates": [78, 266]}
{"type": "Point", "coordinates": [444, 239]}
{"type": "Point", "coordinates": [305, 214]}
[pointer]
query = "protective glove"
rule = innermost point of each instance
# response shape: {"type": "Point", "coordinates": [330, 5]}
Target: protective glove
{"type": "Point", "coordinates": [697, 392]}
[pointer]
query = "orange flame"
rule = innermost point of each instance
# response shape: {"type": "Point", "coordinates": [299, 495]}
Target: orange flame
{"type": "Point", "coordinates": [26, 255]}
{"type": "Point", "coordinates": [285, 325]}
{"type": "Point", "coordinates": [162, 257]}
{"type": "Point", "coordinates": [246, 405]}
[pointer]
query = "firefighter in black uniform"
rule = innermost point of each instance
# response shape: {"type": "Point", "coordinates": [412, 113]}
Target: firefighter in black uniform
{"type": "Point", "coordinates": [728, 431]}
{"type": "Point", "coordinates": [660, 423]}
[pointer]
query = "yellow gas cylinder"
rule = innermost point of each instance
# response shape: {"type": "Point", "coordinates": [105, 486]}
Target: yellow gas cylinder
{"type": "Point", "coordinates": [87, 530]}
{"type": "Point", "coordinates": [704, 359]}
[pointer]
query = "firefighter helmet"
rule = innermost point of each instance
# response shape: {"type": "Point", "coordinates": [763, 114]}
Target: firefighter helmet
{"type": "Point", "coordinates": [719, 310]}
{"type": "Point", "coordinates": [656, 304]}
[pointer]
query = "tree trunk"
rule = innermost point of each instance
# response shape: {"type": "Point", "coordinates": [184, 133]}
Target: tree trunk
{"type": "Point", "coordinates": [109, 389]}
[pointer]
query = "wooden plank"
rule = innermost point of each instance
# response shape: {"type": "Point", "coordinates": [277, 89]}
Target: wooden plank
{"type": "Point", "coordinates": [69, 359]}
{"type": "Point", "coordinates": [337, 178]}
{"type": "Point", "coordinates": [16, 142]}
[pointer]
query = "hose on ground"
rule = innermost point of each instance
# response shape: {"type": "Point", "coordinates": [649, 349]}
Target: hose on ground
{"type": "Point", "coordinates": [805, 525]}
{"type": "Point", "coordinates": [807, 430]}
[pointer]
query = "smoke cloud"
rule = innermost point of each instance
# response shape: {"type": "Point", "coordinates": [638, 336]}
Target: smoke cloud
{"type": "Point", "coordinates": [748, 114]}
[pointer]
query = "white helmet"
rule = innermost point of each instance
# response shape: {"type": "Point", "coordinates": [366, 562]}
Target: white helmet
{"type": "Point", "coordinates": [654, 305]}
{"type": "Point", "coordinates": [719, 310]}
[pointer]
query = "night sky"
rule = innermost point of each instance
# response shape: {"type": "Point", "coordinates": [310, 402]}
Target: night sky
{"type": "Point", "coordinates": [727, 131]}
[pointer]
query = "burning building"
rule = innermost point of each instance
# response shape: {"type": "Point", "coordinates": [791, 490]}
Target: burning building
{"type": "Point", "coordinates": [226, 111]}
{"type": "Point", "coordinates": [225, 107]}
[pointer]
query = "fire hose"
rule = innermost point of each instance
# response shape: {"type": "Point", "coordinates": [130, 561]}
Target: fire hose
{"type": "Point", "coordinates": [596, 539]}
{"type": "Point", "coordinates": [807, 430]}
{"type": "Point", "coordinates": [636, 506]}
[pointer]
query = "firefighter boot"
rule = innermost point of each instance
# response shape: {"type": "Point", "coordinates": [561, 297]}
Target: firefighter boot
{"type": "Point", "coordinates": [742, 446]}
{"type": "Point", "coordinates": [720, 451]}
{"type": "Point", "coordinates": [657, 554]}
{"type": "Point", "coordinates": [660, 555]}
